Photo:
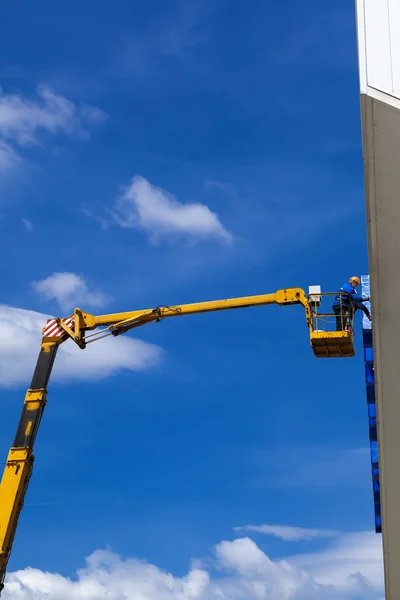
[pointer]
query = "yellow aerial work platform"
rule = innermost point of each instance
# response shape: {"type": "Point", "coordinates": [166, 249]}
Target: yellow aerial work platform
{"type": "Point", "coordinates": [332, 344]}
{"type": "Point", "coordinates": [331, 334]}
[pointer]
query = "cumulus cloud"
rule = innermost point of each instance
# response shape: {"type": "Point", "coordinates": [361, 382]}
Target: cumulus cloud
{"type": "Point", "coordinates": [237, 570]}
{"type": "Point", "coordinates": [354, 558]}
{"type": "Point", "coordinates": [160, 214]}
{"type": "Point", "coordinates": [20, 336]}
{"type": "Point", "coordinates": [22, 120]}
{"type": "Point", "coordinates": [69, 290]}
{"type": "Point", "coordinates": [286, 533]}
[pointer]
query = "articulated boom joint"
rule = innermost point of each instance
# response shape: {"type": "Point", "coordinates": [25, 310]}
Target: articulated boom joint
{"type": "Point", "coordinates": [295, 296]}
{"type": "Point", "coordinates": [77, 334]}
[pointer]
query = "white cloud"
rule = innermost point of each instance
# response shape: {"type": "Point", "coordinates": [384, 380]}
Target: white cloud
{"type": "Point", "coordinates": [159, 213]}
{"type": "Point", "coordinates": [27, 224]}
{"type": "Point", "coordinates": [69, 290]}
{"type": "Point", "coordinates": [349, 555]}
{"type": "Point", "coordinates": [225, 188]}
{"type": "Point", "coordinates": [237, 570]}
{"type": "Point", "coordinates": [22, 120]}
{"type": "Point", "coordinates": [20, 337]}
{"type": "Point", "coordinates": [9, 159]}
{"type": "Point", "coordinates": [104, 223]}
{"type": "Point", "coordinates": [286, 533]}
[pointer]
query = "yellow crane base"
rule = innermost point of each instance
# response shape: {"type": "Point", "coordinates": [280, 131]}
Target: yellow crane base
{"type": "Point", "coordinates": [332, 344]}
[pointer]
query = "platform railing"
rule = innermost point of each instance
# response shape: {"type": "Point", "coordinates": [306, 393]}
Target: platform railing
{"type": "Point", "coordinates": [325, 320]}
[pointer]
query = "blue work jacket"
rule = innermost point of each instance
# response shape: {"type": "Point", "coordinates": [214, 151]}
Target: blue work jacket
{"type": "Point", "coordinates": [348, 294]}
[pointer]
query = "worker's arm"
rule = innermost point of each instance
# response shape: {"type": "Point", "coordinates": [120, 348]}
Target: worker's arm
{"type": "Point", "coordinates": [358, 298]}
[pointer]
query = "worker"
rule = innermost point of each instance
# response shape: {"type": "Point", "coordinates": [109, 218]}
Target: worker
{"type": "Point", "coordinates": [347, 302]}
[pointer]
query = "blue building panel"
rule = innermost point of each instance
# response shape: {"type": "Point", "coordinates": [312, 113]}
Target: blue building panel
{"type": "Point", "coordinates": [371, 394]}
{"type": "Point", "coordinates": [369, 372]}
{"type": "Point", "coordinates": [368, 353]}
{"type": "Point", "coordinates": [370, 389]}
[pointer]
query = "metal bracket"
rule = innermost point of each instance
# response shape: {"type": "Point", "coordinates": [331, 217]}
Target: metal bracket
{"type": "Point", "coordinates": [75, 335]}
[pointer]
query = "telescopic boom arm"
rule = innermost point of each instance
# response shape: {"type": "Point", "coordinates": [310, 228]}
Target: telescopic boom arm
{"type": "Point", "coordinates": [19, 465]}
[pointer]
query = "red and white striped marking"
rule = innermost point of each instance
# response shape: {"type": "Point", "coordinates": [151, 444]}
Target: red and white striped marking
{"type": "Point", "coordinates": [53, 330]}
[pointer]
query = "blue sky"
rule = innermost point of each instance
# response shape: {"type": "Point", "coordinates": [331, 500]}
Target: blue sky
{"type": "Point", "coordinates": [173, 152]}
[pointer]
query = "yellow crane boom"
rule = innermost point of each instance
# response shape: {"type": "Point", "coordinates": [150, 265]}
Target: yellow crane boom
{"type": "Point", "coordinates": [19, 465]}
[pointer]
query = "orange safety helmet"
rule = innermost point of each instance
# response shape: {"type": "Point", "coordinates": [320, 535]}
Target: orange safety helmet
{"type": "Point", "coordinates": [355, 279]}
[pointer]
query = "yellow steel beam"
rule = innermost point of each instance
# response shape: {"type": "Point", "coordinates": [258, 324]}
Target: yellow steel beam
{"type": "Point", "coordinates": [281, 297]}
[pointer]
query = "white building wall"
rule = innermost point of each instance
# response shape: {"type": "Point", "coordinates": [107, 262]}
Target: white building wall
{"type": "Point", "coordinates": [378, 27]}
{"type": "Point", "coordinates": [378, 32]}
